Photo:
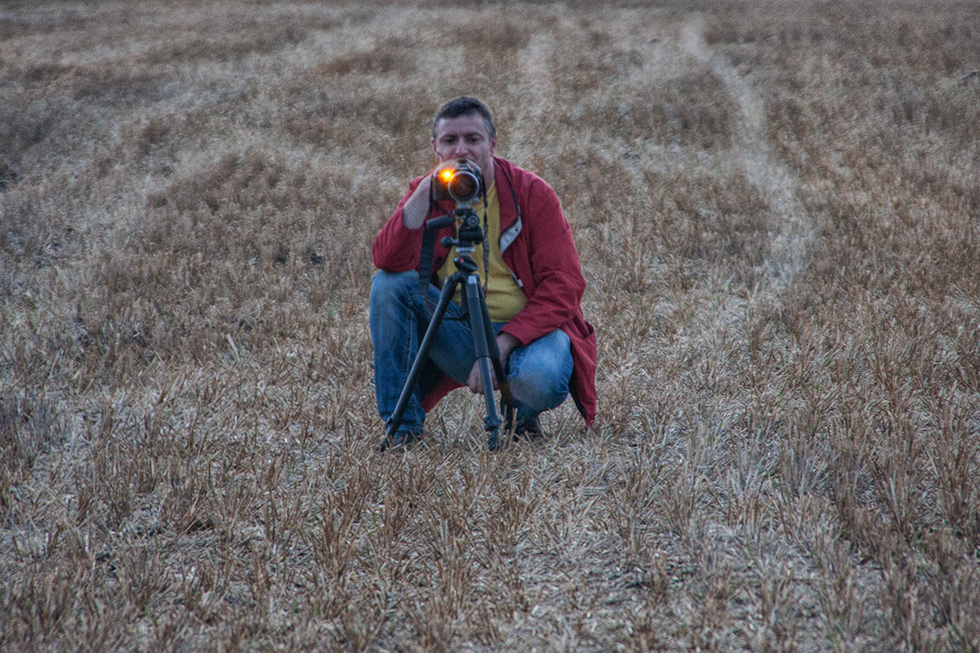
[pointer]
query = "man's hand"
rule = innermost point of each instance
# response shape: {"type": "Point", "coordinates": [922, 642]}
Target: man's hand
{"type": "Point", "coordinates": [506, 343]}
{"type": "Point", "coordinates": [417, 206]}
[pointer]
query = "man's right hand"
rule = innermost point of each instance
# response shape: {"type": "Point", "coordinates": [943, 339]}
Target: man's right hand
{"type": "Point", "coordinates": [417, 206]}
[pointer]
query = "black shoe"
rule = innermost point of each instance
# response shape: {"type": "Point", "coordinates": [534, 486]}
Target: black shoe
{"type": "Point", "coordinates": [530, 429]}
{"type": "Point", "coordinates": [400, 440]}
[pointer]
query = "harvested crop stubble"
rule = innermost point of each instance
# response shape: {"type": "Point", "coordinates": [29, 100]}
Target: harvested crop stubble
{"type": "Point", "coordinates": [775, 207]}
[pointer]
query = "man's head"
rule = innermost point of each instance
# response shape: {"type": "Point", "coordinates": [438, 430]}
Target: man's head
{"type": "Point", "coordinates": [464, 128]}
{"type": "Point", "coordinates": [463, 106]}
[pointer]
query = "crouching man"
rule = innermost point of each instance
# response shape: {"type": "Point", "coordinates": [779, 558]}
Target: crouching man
{"type": "Point", "coordinates": [533, 282]}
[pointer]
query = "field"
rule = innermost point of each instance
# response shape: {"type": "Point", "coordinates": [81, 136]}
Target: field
{"type": "Point", "coordinates": [777, 207]}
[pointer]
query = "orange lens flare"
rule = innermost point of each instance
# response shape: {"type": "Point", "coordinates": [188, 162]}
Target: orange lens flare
{"type": "Point", "coordinates": [446, 175]}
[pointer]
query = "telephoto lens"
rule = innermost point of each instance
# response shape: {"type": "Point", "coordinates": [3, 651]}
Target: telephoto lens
{"type": "Point", "coordinates": [460, 181]}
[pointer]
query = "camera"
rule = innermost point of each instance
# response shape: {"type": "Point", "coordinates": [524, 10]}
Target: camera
{"type": "Point", "coordinates": [459, 180]}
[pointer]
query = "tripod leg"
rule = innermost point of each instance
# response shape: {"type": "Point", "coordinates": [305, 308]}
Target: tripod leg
{"type": "Point", "coordinates": [480, 327]}
{"type": "Point", "coordinates": [499, 367]}
{"type": "Point", "coordinates": [445, 297]}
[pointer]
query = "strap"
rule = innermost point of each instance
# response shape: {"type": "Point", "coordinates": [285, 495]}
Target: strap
{"type": "Point", "coordinates": [508, 237]}
{"type": "Point", "coordinates": [425, 264]}
{"type": "Point", "coordinates": [426, 254]}
{"type": "Point", "coordinates": [486, 244]}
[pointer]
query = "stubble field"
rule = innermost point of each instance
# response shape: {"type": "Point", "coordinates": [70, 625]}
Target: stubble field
{"type": "Point", "coordinates": [776, 206]}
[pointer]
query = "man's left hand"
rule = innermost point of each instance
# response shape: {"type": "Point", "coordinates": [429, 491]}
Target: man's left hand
{"type": "Point", "coordinates": [506, 343]}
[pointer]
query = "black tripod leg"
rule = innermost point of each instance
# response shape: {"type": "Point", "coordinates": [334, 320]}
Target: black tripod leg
{"type": "Point", "coordinates": [483, 341]}
{"type": "Point", "coordinates": [479, 327]}
{"type": "Point", "coordinates": [448, 290]}
{"type": "Point", "coordinates": [499, 367]}
{"type": "Point", "coordinates": [498, 364]}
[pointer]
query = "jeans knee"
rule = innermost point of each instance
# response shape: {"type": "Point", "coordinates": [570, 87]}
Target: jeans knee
{"type": "Point", "coordinates": [541, 372]}
{"type": "Point", "coordinates": [539, 391]}
{"type": "Point", "coordinates": [397, 287]}
{"type": "Point", "coordinates": [388, 283]}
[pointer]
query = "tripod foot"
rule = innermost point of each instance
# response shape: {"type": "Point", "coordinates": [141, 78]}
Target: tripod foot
{"type": "Point", "coordinates": [497, 440]}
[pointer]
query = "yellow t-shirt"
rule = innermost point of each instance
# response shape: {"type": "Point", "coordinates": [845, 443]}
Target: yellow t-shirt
{"type": "Point", "coordinates": [505, 299]}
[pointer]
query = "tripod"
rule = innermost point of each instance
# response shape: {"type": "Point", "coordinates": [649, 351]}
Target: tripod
{"type": "Point", "coordinates": [468, 234]}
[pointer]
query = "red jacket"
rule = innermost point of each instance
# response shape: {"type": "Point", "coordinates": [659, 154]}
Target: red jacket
{"type": "Point", "coordinates": [540, 252]}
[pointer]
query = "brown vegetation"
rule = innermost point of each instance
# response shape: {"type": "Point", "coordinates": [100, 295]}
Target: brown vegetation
{"type": "Point", "coordinates": [776, 206]}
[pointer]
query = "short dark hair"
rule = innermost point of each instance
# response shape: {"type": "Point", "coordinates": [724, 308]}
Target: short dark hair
{"type": "Point", "coordinates": [464, 106]}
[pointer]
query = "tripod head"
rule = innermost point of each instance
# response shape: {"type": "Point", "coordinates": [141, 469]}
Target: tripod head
{"type": "Point", "coordinates": [469, 232]}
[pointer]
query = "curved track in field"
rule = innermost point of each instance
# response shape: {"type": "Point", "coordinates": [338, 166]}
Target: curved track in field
{"type": "Point", "coordinates": [794, 230]}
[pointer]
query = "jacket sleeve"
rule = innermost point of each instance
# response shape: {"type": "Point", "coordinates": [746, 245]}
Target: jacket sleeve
{"type": "Point", "coordinates": [558, 283]}
{"type": "Point", "coordinates": [397, 248]}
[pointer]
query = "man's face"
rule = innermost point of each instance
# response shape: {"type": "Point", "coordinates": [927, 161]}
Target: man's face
{"type": "Point", "coordinates": [466, 137]}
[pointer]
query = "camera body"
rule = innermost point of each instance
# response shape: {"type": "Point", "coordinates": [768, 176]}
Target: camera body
{"type": "Point", "coordinates": [460, 181]}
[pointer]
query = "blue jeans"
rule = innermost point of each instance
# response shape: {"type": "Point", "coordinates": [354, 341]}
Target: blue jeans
{"type": "Point", "coordinates": [539, 373]}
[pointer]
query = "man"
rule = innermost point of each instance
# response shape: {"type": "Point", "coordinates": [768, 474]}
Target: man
{"type": "Point", "coordinates": [534, 290]}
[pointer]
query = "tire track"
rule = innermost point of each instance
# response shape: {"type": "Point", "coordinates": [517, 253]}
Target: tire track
{"type": "Point", "coordinates": [789, 250]}
{"type": "Point", "coordinates": [540, 91]}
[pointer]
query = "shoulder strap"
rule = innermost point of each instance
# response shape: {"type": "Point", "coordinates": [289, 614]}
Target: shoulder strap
{"type": "Point", "coordinates": [425, 263]}
{"type": "Point", "coordinates": [509, 236]}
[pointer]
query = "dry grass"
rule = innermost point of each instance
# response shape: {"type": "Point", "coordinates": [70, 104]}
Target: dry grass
{"type": "Point", "coordinates": [776, 206]}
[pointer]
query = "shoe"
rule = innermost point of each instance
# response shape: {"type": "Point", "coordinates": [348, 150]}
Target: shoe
{"type": "Point", "coordinates": [530, 429]}
{"type": "Point", "coordinates": [400, 440]}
